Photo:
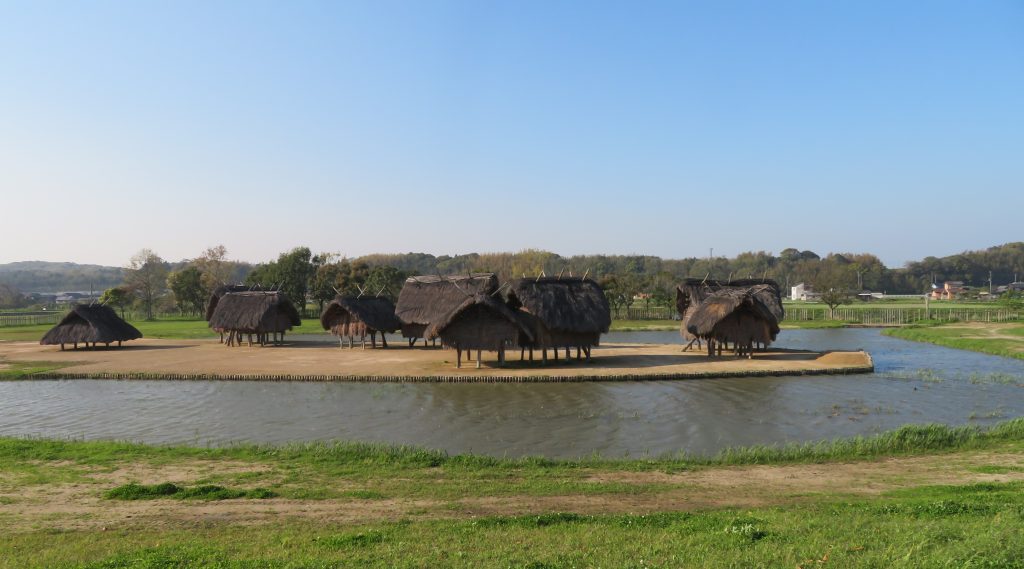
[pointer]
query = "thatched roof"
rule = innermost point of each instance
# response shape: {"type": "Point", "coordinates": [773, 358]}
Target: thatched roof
{"type": "Point", "coordinates": [736, 307]}
{"type": "Point", "coordinates": [377, 313]}
{"type": "Point", "coordinates": [692, 292]}
{"type": "Point", "coordinates": [90, 323]}
{"type": "Point", "coordinates": [425, 299]}
{"type": "Point", "coordinates": [573, 304]}
{"type": "Point", "coordinates": [482, 301]}
{"type": "Point", "coordinates": [255, 311]}
{"type": "Point", "coordinates": [211, 304]}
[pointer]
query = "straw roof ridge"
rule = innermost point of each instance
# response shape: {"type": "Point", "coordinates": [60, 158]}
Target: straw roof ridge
{"type": "Point", "coordinates": [487, 301]}
{"type": "Point", "coordinates": [563, 304]}
{"type": "Point", "coordinates": [376, 312]}
{"type": "Point", "coordinates": [90, 323]}
{"type": "Point", "coordinates": [694, 291]}
{"type": "Point", "coordinates": [425, 299]}
{"type": "Point", "coordinates": [211, 304]}
{"type": "Point", "coordinates": [255, 311]}
{"type": "Point", "coordinates": [724, 303]}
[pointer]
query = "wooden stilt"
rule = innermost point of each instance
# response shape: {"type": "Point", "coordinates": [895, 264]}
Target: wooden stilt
{"type": "Point", "coordinates": [458, 357]}
{"type": "Point", "coordinates": [478, 359]}
{"type": "Point", "coordinates": [531, 353]}
{"type": "Point", "coordinates": [544, 355]}
{"type": "Point", "coordinates": [383, 340]}
{"type": "Point", "coordinates": [62, 347]}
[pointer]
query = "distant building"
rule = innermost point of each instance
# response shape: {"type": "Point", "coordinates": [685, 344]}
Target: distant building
{"type": "Point", "coordinates": [804, 292]}
{"type": "Point", "coordinates": [950, 290]}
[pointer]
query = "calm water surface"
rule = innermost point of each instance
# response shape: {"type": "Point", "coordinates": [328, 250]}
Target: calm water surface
{"type": "Point", "coordinates": [914, 383]}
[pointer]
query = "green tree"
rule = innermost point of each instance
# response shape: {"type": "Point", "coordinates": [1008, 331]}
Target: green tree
{"type": "Point", "coordinates": [146, 276]}
{"type": "Point", "coordinates": [118, 297]}
{"type": "Point", "coordinates": [189, 292]}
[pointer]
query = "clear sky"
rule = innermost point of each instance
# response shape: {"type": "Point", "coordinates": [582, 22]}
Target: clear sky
{"type": "Point", "coordinates": [449, 127]}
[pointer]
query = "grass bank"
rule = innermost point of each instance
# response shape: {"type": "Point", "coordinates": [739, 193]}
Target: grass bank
{"type": "Point", "coordinates": [958, 502]}
{"type": "Point", "coordinates": [170, 329]}
{"type": "Point", "coordinates": [1000, 339]}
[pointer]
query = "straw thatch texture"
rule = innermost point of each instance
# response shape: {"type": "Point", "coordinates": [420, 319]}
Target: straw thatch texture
{"type": "Point", "coordinates": [425, 300]}
{"type": "Point", "coordinates": [692, 292]}
{"type": "Point", "coordinates": [567, 312]}
{"type": "Point", "coordinates": [95, 323]}
{"type": "Point", "coordinates": [737, 316]}
{"type": "Point", "coordinates": [211, 304]}
{"type": "Point", "coordinates": [255, 312]}
{"type": "Point", "coordinates": [356, 317]}
{"type": "Point", "coordinates": [480, 322]}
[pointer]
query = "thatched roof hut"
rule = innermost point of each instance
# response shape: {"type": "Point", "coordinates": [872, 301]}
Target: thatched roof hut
{"type": "Point", "coordinates": [426, 299]}
{"type": "Point", "coordinates": [479, 322]}
{"type": "Point", "coordinates": [743, 317]}
{"type": "Point", "coordinates": [563, 312]}
{"type": "Point", "coordinates": [211, 304]}
{"type": "Point", "coordinates": [90, 323]}
{"type": "Point", "coordinates": [356, 317]}
{"type": "Point", "coordinates": [256, 313]}
{"type": "Point", "coordinates": [692, 292]}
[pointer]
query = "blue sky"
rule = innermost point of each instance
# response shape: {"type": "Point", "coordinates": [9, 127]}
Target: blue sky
{"type": "Point", "coordinates": [448, 127]}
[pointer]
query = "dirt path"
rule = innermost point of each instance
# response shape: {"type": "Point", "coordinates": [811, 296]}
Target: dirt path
{"type": "Point", "coordinates": [80, 505]}
{"type": "Point", "coordinates": [325, 361]}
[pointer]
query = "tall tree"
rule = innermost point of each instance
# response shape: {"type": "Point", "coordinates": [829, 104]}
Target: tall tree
{"type": "Point", "coordinates": [118, 297]}
{"type": "Point", "coordinates": [215, 268]}
{"type": "Point", "coordinates": [189, 293]}
{"type": "Point", "coordinates": [146, 276]}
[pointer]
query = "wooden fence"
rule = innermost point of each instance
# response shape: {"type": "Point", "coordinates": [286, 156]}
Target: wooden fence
{"type": "Point", "coordinates": [29, 318]}
{"type": "Point", "coordinates": [881, 316]}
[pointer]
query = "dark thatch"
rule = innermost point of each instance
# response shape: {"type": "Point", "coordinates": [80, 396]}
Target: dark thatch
{"type": "Point", "coordinates": [426, 299]}
{"type": "Point", "coordinates": [254, 312]}
{"type": "Point", "coordinates": [692, 292]}
{"type": "Point", "coordinates": [211, 304]}
{"type": "Point", "coordinates": [86, 324]}
{"type": "Point", "coordinates": [566, 312]}
{"type": "Point", "coordinates": [480, 322]}
{"type": "Point", "coordinates": [356, 317]}
{"type": "Point", "coordinates": [737, 316]}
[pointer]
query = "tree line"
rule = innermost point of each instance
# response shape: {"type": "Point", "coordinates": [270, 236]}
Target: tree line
{"type": "Point", "coordinates": [152, 285]}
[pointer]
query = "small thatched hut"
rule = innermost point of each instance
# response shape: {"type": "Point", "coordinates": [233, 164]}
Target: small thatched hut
{"type": "Point", "coordinates": [479, 322]}
{"type": "Point", "coordinates": [562, 313]}
{"type": "Point", "coordinates": [356, 316]}
{"type": "Point", "coordinates": [425, 300]}
{"type": "Point", "coordinates": [215, 296]}
{"type": "Point", "coordinates": [256, 313]}
{"type": "Point", "coordinates": [692, 292]}
{"type": "Point", "coordinates": [90, 324]}
{"type": "Point", "coordinates": [742, 317]}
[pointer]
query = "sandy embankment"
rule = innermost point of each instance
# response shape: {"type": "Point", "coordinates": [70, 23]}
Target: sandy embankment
{"type": "Point", "coordinates": [187, 359]}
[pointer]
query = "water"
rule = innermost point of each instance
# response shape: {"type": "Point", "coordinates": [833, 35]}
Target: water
{"type": "Point", "coordinates": [914, 383]}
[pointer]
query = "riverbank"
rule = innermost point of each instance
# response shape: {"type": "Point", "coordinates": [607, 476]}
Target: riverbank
{"type": "Point", "coordinates": [996, 338]}
{"type": "Point", "coordinates": [919, 496]}
{"type": "Point", "coordinates": [318, 361]}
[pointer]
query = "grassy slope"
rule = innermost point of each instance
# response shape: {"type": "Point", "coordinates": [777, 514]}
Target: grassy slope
{"type": "Point", "coordinates": [1009, 343]}
{"type": "Point", "coordinates": [976, 525]}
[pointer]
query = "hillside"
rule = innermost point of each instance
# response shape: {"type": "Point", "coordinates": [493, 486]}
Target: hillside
{"type": "Point", "coordinates": [43, 276]}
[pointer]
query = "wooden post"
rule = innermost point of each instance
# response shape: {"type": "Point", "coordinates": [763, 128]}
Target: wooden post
{"type": "Point", "coordinates": [544, 355]}
{"type": "Point", "coordinates": [478, 359]}
{"type": "Point", "coordinates": [458, 357]}
{"type": "Point", "coordinates": [62, 347]}
{"type": "Point", "coordinates": [383, 340]}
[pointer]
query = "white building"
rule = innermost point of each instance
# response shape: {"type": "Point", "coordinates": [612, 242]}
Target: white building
{"type": "Point", "coordinates": [803, 291]}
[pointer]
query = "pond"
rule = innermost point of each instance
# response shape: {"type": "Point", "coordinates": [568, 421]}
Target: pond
{"type": "Point", "coordinates": [913, 383]}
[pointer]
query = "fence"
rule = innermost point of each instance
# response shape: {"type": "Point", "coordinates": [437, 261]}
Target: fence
{"type": "Point", "coordinates": [29, 318]}
{"type": "Point", "coordinates": [897, 316]}
{"type": "Point", "coordinates": [640, 313]}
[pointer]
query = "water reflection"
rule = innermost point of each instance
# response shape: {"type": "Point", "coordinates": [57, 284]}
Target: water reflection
{"type": "Point", "coordinates": [558, 420]}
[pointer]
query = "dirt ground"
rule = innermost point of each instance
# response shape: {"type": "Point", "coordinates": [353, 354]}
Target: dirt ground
{"type": "Point", "coordinates": [81, 505]}
{"type": "Point", "coordinates": [324, 361]}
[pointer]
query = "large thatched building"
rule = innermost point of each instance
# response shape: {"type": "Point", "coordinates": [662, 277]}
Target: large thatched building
{"type": "Point", "coordinates": [742, 317]}
{"type": "Point", "coordinates": [426, 299]}
{"type": "Point", "coordinates": [351, 317]}
{"type": "Point", "coordinates": [692, 292]}
{"type": "Point", "coordinates": [479, 322]}
{"type": "Point", "coordinates": [263, 314]}
{"type": "Point", "coordinates": [90, 324]}
{"type": "Point", "coordinates": [561, 312]}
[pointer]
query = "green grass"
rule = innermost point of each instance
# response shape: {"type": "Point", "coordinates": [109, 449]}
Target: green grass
{"type": "Point", "coordinates": [644, 325]}
{"type": "Point", "coordinates": [975, 525]}
{"type": "Point", "coordinates": [208, 492]}
{"type": "Point", "coordinates": [168, 329]}
{"type": "Point", "coordinates": [934, 526]}
{"type": "Point", "coordinates": [953, 337]}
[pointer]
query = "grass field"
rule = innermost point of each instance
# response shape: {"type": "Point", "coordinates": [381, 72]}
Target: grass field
{"type": "Point", "coordinates": [917, 497]}
{"type": "Point", "coordinates": [167, 329]}
{"type": "Point", "coordinates": [1000, 339]}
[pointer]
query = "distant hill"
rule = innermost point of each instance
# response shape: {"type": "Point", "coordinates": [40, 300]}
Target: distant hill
{"type": "Point", "coordinates": [43, 276]}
